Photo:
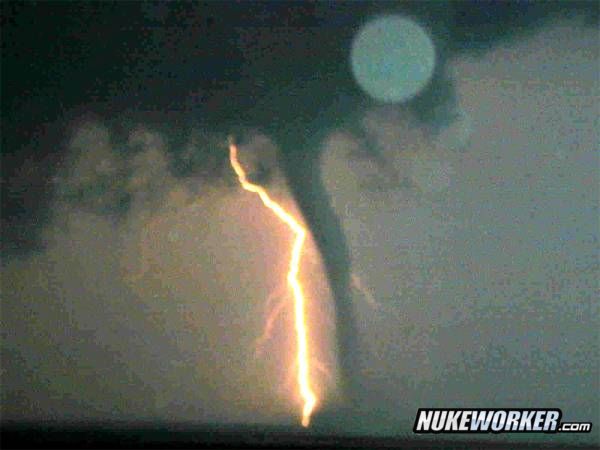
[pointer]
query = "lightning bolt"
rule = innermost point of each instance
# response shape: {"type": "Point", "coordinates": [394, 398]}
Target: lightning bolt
{"type": "Point", "coordinates": [303, 374]}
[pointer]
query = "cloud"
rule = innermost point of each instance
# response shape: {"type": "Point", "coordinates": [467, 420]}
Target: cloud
{"type": "Point", "coordinates": [153, 311]}
{"type": "Point", "coordinates": [482, 261]}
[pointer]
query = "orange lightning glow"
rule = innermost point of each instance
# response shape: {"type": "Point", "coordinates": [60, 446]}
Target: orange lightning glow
{"type": "Point", "coordinates": [306, 392]}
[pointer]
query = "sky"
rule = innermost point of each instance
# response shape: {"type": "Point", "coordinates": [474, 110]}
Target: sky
{"type": "Point", "coordinates": [138, 277]}
{"type": "Point", "coordinates": [486, 269]}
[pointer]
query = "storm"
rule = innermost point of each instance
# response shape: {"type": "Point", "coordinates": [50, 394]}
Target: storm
{"type": "Point", "coordinates": [443, 158]}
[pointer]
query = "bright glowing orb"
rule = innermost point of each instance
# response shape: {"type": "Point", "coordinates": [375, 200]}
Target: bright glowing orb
{"type": "Point", "coordinates": [392, 58]}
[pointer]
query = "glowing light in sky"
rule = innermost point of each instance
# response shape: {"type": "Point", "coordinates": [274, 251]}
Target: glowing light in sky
{"type": "Point", "coordinates": [392, 58]}
{"type": "Point", "coordinates": [303, 375]}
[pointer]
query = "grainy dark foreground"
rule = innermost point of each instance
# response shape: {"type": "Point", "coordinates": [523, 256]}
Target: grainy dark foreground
{"type": "Point", "coordinates": [145, 436]}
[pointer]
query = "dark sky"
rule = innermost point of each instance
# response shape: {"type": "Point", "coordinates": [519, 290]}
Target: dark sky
{"type": "Point", "coordinates": [124, 289]}
{"type": "Point", "coordinates": [221, 63]}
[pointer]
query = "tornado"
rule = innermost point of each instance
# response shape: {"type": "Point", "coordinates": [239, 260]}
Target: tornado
{"type": "Point", "coordinates": [392, 60]}
{"type": "Point", "coordinates": [303, 171]}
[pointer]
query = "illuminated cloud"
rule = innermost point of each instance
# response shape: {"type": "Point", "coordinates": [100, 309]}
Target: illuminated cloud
{"type": "Point", "coordinates": [153, 311]}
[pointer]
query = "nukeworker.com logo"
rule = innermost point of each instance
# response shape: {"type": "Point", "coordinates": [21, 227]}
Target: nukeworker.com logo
{"type": "Point", "coordinates": [495, 420]}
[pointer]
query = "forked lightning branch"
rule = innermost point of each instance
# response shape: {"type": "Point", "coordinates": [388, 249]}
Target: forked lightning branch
{"type": "Point", "coordinates": [476, 420]}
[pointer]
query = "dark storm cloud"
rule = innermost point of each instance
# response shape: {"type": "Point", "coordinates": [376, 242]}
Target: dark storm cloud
{"type": "Point", "coordinates": [224, 67]}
